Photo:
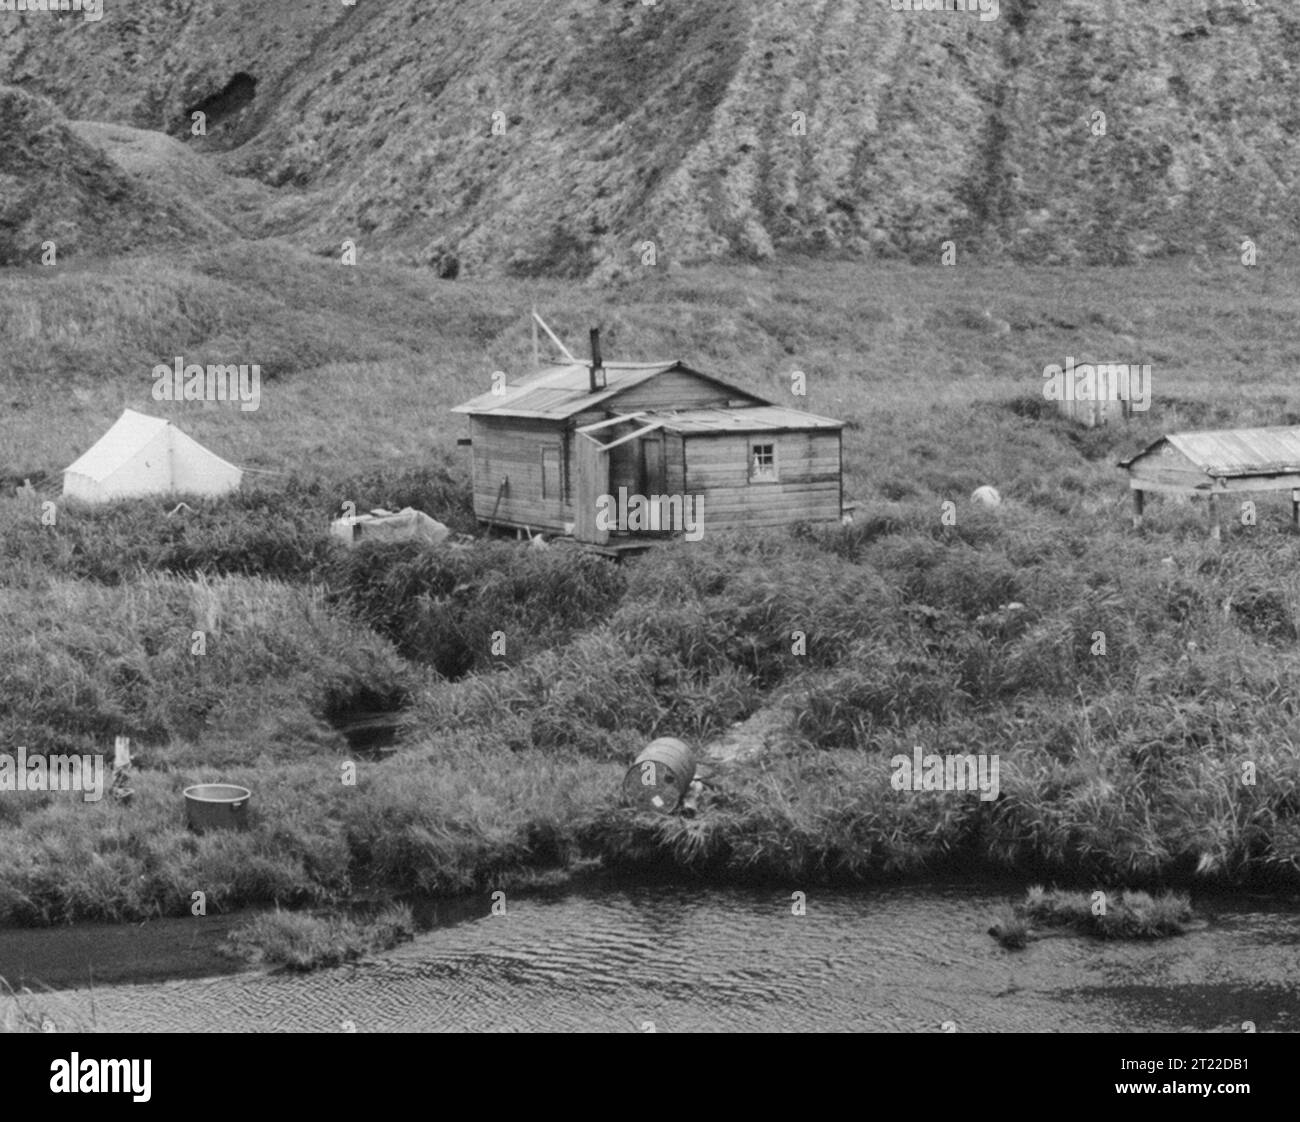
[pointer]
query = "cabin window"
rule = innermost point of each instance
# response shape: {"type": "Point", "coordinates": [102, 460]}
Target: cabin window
{"type": "Point", "coordinates": [551, 484]}
{"type": "Point", "coordinates": [762, 463]}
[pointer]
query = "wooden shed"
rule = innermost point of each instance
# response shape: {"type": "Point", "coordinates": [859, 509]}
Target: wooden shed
{"type": "Point", "coordinates": [616, 454]}
{"type": "Point", "coordinates": [1215, 464]}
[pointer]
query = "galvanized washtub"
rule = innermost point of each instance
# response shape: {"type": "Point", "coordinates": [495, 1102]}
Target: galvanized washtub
{"type": "Point", "coordinates": [216, 806]}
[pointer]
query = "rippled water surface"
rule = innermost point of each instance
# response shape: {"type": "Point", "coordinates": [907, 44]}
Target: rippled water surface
{"type": "Point", "coordinates": [903, 959]}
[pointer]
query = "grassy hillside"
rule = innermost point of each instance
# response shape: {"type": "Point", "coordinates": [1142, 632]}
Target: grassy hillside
{"type": "Point", "coordinates": [60, 188]}
{"type": "Point", "coordinates": [1125, 765]}
{"type": "Point", "coordinates": [360, 364]}
{"type": "Point", "coordinates": [478, 137]}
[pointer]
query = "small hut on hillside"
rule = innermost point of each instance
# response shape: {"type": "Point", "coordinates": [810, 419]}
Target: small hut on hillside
{"type": "Point", "coordinates": [1230, 462]}
{"type": "Point", "coordinates": [574, 447]}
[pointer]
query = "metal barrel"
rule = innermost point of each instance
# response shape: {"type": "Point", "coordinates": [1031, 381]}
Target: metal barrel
{"type": "Point", "coordinates": [660, 776]}
{"type": "Point", "coordinates": [216, 806]}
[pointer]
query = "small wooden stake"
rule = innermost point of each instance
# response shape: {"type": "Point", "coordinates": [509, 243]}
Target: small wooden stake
{"type": "Point", "coordinates": [1138, 497]}
{"type": "Point", "coordinates": [505, 484]}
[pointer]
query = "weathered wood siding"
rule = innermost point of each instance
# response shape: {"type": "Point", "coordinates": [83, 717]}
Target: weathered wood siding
{"type": "Point", "coordinates": [512, 447]}
{"type": "Point", "coordinates": [1166, 465]}
{"type": "Point", "coordinates": [808, 488]}
{"type": "Point", "coordinates": [1092, 413]}
{"type": "Point", "coordinates": [674, 464]}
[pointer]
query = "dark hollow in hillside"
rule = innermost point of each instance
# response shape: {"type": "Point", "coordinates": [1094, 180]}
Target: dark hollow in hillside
{"type": "Point", "coordinates": [237, 95]}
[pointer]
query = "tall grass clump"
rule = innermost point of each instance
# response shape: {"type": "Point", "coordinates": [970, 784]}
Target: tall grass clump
{"type": "Point", "coordinates": [278, 531]}
{"type": "Point", "coordinates": [472, 817]}
{"type": "Point", "coordinates": [1110, 915]}
{"type": "Point", "coordinates": [163, 659]}
{"type": "Point", "coordinates": [881, 689]}
{"type": "Point", "coordinates": [251, 533]}
{"type": "Point", "coordinates": [301, 942]}
{"type": "Point", "coordinates": [442, 607]}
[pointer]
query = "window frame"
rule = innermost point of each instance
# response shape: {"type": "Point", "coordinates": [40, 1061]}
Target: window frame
{"type": "Point", "coordinates": [768, 474]}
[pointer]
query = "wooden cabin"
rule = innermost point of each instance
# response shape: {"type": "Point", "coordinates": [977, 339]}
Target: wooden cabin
{"type": "Point", "coordinates": [1233, 462]}
{"type": "Point", "coordinates": [1095, 394]}
{"type": "Point", "coordinates": [568, 449]}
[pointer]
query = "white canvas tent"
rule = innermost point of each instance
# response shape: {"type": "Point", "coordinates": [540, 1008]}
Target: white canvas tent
{"type": "Point", "coordinates": [143, 455]}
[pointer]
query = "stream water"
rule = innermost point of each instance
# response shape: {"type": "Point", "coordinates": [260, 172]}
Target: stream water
{"type": "Point", "coordinates": [693, 959]}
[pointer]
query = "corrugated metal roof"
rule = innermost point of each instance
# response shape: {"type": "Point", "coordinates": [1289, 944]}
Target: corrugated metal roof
{"type": "Point", "coordinates": [557, 392]}
{"type": "Point", "coordinates": [750, 418]}
{"type": "Point", "coordinates": [1236, 452]}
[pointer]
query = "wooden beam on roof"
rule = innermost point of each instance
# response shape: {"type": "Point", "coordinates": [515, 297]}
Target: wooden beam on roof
{"type": "Point", "coordinates": [633, 435]}
{"type": "Point", "coordinates": [610, 421]}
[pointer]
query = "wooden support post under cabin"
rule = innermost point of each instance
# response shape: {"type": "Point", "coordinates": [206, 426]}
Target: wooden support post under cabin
{"type": "Point", "coordinates": [1138, 497]}
{"type": "Point", "coordinates": [1216, 530]}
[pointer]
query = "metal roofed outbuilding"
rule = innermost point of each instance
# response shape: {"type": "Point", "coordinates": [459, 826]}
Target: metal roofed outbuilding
{"type": "Point", "coordinates": [1215, 464]}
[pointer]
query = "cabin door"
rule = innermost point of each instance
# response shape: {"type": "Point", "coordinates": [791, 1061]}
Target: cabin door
{"type": "Point", "coordinates": [593, 481]}
{"type": "Point", "coordinates": [625, 460]}
{"type": "Point", "coordinates": [653, 476]}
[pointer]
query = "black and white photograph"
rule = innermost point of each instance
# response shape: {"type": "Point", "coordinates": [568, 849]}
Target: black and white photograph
{"type": "Point", "coordinates": [642, 516]}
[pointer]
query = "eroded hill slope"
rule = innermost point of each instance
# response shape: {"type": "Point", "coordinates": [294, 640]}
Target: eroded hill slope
{"type": "Point", "coordinates": [478, 136]}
